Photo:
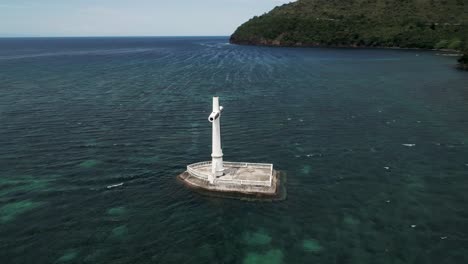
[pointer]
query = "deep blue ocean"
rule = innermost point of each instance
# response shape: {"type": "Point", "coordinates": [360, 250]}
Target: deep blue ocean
{"type": "Point", "coordinates": [94, 131]}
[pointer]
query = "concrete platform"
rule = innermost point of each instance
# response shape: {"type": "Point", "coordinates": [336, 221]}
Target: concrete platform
{"type": "Point", "coordinates": [242, 178]}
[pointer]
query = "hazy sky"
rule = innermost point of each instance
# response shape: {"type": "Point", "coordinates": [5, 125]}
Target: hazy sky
{"type": "Point", "coordinates": [128, 17]}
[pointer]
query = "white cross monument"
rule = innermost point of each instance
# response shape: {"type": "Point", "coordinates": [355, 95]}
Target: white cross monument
{"type": "Point", "coordinates": [217, 168]}
{"type": "Point", "coordinates": [222, 176]}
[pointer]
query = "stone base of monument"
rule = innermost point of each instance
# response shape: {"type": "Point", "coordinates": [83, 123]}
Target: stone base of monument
{"type": "Point", "coordinates": [240, 180]}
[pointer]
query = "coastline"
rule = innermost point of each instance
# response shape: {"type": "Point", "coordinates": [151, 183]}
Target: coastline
{"type": "Point", "coordinates": [462, 61]}
{"type": "Point", "coordinates": [317, 45]}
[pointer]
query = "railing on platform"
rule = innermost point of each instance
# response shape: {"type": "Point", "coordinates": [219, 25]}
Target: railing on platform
{"type": "Point", "coordinates": [191, 169]}
{"type": "Point", "coordinates": [243, 182]}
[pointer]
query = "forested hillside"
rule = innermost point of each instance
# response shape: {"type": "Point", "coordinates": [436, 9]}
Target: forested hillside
{"type": "Point", "coordinates": [439, 24]}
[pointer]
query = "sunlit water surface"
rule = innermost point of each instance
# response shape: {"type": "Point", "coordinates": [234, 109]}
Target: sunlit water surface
{"type": "Point", "coordinates": [374, 144]}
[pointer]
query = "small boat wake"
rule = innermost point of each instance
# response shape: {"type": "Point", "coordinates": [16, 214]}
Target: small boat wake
{"type": "Point", "coordinates": [115, 185]}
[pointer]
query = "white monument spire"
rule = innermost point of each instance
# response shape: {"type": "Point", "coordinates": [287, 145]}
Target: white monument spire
{"type": "Point", "coordinates": [257, 179]}
{"type": "Point", "coordinates": [217, 168]}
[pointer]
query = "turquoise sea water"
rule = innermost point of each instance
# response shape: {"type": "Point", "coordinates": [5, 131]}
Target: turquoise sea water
{"type": "Point", "coordinates": [374, 144]}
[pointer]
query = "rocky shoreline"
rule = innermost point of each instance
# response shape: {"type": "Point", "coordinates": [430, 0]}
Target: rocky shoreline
{"type": "Point", "coordinates": [463, 61]}
{"type": "Point", "coordinates": [277, 43]}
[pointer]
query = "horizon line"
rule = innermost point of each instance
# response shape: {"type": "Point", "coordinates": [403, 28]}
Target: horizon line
{"type": "Point", "coordinates": [126, 36]}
